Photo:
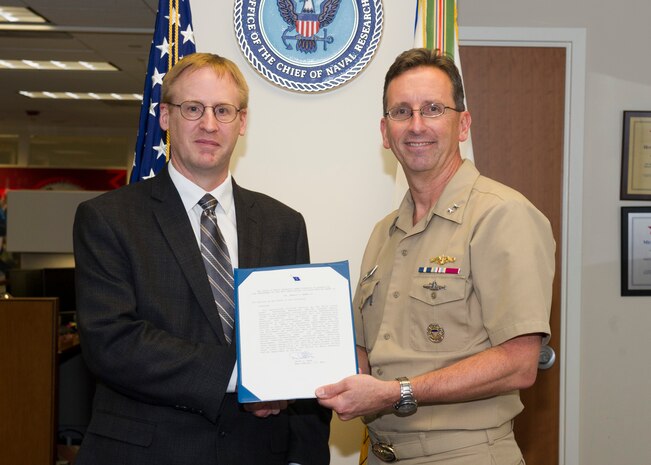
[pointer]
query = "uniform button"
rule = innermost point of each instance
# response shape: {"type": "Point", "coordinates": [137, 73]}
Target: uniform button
{"type": "Point", "coordinates": [380, 371]}
{"type": "Point", "coordinates": [433, 295]}
{"type": "Point", "coordinates": [404, 252]}
{"type": "Point", "coordinates": [396, 295]}
{"type": "Point", "coordinates": [222, 434]}
{"type": "Point", "coordinates": [387, 336]}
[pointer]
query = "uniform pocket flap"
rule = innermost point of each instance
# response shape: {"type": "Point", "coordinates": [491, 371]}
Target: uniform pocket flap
{"type": "Point", "coordinates": [436, 289]}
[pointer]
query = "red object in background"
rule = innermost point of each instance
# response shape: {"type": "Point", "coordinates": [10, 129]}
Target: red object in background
{"type": "Point", "coordinates": [61, 179]}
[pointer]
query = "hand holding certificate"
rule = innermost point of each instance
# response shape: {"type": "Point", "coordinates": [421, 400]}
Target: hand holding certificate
{"type": "Point", "coordinates": [294, 330]}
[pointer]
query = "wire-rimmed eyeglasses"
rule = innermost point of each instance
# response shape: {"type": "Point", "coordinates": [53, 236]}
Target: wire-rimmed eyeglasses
{"type": "Point", "coordinates": [192, 111]}
{"type": "Point", "coordinates": [429, 110]}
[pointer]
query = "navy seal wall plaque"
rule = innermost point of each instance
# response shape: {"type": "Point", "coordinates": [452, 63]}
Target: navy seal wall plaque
{"type": "Point", "coordinates": [308, 45]}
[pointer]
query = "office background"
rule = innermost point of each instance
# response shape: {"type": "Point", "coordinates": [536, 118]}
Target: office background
{"type": "Point", "coordinates": [322, 154]}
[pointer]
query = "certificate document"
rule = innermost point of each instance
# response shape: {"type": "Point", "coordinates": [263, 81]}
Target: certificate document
{"type": "Point", "coordinates": [640, 156]}
{"type": "Point", "coordinates": [639, 230]}
{"type": "Point", "coordinates": [294, 330]}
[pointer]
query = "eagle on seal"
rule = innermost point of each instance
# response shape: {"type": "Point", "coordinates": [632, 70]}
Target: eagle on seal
{"type": "Point", "coordinates": [308, 23]}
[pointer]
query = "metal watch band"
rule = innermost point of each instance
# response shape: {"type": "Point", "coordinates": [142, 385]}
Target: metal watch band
{"type": "Point", "coordinates": [407, 403]}
{"type": "Point", "coordinates": [406, 391]}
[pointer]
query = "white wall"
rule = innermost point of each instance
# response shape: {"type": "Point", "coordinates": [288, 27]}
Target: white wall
{"type": "Point", "coordinates": [344, 183]}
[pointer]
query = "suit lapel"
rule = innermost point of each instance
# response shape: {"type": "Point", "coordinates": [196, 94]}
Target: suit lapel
{"type": "Point", "coordinates": [175, 227]}
{"type": "Point", "coordinates": [249, 228]}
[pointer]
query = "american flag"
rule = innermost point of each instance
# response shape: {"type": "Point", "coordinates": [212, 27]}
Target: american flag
{"type": "Point", "coordinates": [171, 42]}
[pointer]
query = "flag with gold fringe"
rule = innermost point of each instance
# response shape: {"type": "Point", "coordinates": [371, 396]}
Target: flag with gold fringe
{"type": "Point", "coordinates": [436, 28]}
{"type": "Point", "coordinates": [173, 39]}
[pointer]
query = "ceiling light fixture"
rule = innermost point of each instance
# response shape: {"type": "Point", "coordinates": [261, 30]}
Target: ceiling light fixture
{"type": "Point", "coordinates": [54, 65]}
{"type": "Point", "coordinates": [81, 95]}
{"type": "Point", "coordinates": [10, 14]}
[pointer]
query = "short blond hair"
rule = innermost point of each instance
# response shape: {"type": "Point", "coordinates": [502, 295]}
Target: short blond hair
{"type": "Point", "coordinates": [220, 65]}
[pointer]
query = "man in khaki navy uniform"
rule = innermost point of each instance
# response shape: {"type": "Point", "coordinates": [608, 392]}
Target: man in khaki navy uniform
{"type": "Point", "coordinates": [455, 294]}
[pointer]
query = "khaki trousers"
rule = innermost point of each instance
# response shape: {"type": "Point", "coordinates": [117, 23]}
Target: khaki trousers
{"type": "Point", "coordinates": [500, 449]}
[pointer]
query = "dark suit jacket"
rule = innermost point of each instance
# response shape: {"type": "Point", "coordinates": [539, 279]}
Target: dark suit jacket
{"type": "Point", "coordinates": [151, 334]}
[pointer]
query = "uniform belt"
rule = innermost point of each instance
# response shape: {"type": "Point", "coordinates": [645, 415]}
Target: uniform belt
{"type": "Point", "coordinates": [394, 447]}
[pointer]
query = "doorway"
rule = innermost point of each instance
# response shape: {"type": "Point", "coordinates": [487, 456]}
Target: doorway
{"type": "Point", "coordinates": [527, 106]}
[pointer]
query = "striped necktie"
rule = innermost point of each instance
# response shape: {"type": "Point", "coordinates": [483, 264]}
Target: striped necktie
{"type": "Point", "coordinates": [218, 264]}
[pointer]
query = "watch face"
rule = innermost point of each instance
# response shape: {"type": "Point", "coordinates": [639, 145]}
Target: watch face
{"type": "Point", "coordinates": [405, 408]}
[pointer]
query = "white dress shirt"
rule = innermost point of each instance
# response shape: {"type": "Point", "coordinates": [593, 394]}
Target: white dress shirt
{"type": "Point", "coordinates": [225, 212]}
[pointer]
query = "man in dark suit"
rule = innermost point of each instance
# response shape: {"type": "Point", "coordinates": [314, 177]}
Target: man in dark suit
{"type": "Point", "coordinates": [148, 319]}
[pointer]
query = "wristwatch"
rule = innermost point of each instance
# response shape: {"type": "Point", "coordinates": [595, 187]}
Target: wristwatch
{"type": "Point", "coordinates": [407, 404]}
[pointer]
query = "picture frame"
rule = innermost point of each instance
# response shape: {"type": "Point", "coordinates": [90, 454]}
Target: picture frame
{"type": "Point", "coordinates": [636, 156]}
{"type": "Point", "coordinates": [636, 251]}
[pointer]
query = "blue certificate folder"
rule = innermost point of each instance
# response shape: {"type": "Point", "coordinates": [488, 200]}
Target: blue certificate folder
{"type": "Point", "coordinates": [294, 330]}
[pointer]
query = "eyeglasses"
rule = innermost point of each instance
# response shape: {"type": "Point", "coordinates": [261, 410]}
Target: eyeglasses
{"type": "Point", "coordinates": [429, 110]}
{"type": "Point", "coordinates": [192, 111]}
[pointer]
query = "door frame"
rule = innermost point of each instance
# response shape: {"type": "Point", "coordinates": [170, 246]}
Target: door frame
{"type": "Point", "coordinates": [574, 41]}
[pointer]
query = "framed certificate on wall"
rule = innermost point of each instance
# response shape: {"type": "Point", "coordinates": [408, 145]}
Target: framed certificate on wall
{"type": "Point", "coordinates": [636, 251]}
{"type": "Point", "coordinates": [636, 156]}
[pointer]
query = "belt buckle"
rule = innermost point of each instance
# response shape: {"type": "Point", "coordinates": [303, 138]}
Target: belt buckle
{"type": "Point", "coordinates": [384, 452]}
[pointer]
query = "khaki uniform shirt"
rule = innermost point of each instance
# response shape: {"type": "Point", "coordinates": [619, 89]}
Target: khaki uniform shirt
{"type": "Point", "coordinates": [413, 318]}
